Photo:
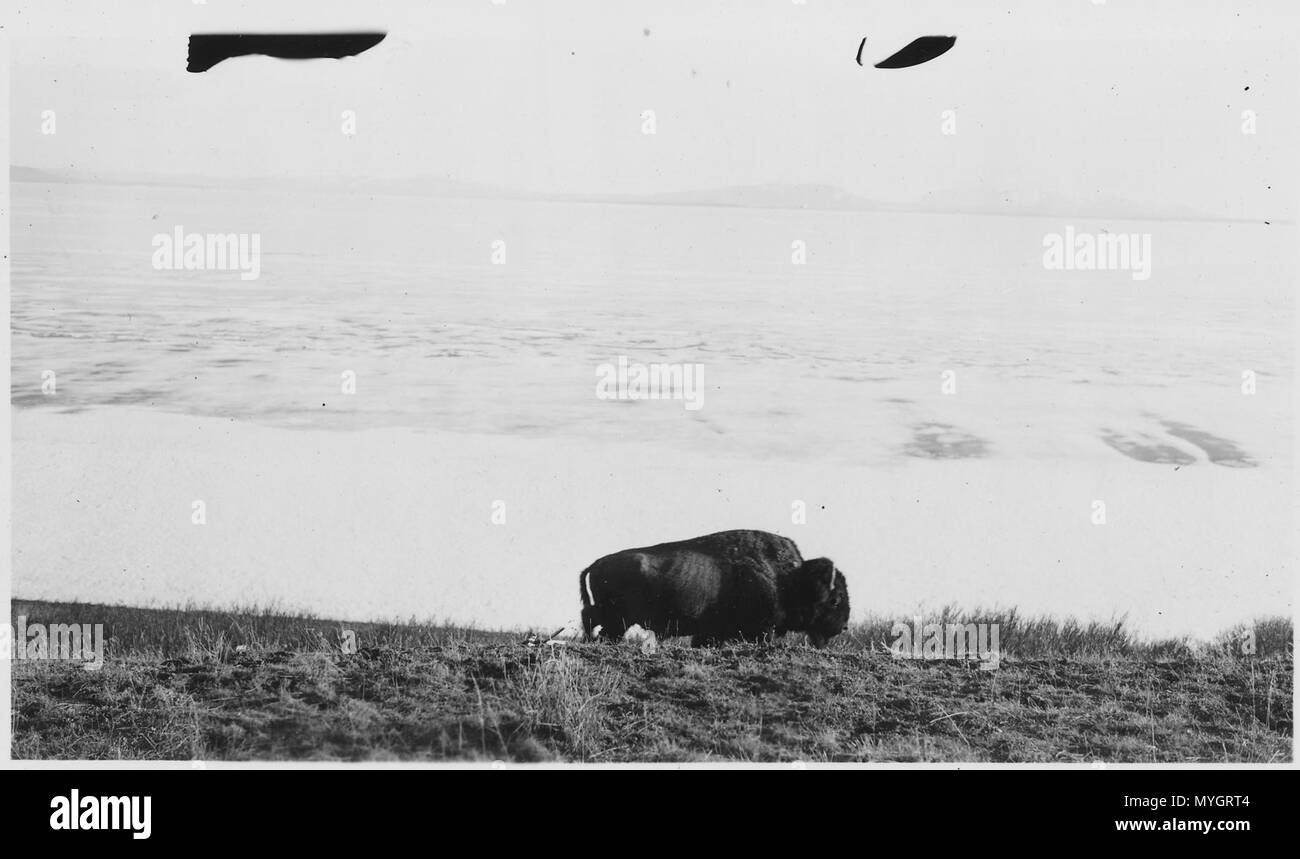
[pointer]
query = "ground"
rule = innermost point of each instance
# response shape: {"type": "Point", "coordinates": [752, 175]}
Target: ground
{"type": "Point", "coordinates": [215, 685]}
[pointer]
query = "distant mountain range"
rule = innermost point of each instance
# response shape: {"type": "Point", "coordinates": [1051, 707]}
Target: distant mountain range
{"type": "Point", "coordinates": [813, 197]}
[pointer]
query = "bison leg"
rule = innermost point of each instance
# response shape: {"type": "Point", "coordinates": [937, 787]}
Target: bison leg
{"type": "Point", "coordinates": [589, 622]}
{"type": "Point", "coordinates": [599, 627]}
{"type": "Point", "coordinates": [613, 630]}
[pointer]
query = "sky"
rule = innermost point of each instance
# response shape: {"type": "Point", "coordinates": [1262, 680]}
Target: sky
{"type": "Point", "coordinates": [1067, 101]}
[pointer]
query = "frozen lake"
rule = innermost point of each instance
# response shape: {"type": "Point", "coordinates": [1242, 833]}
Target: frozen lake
{"type": "Point", "coordinates": [824, 383]}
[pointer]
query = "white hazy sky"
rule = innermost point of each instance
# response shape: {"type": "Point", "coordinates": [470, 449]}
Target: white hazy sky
{"type": "Point", "coordinates": [1074, 100]}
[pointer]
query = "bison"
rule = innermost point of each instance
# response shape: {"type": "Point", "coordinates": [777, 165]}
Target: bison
{"type": "Point", "coordinates": [733, 584]}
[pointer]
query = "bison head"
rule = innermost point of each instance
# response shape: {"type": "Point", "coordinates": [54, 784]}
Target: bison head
{"type": "Point", "coordinates": [824, 600]}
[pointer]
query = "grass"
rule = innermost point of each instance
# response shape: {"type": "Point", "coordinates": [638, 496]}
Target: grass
{"type": "Point", "coordinates": [265, 685]}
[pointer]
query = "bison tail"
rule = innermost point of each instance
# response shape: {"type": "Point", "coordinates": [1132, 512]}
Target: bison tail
{"type": "Point", "coordinates": [590, 624]}
{"type": "Point", "coordinates": [584, 588]}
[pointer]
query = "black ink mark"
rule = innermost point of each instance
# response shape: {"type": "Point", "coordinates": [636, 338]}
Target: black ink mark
{"type": "Point", "coordinates": [918, 51]}
{"type": "Point", "coordinates": [208, 49]}
{"type": "Point", "coordinates": [860, 49]}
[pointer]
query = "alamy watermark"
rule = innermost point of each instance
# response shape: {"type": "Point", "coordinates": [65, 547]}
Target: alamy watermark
{"type": "Point", "coordinates": [938, 641]}
{"type": "Point", "coordinates": [130, 813]}
{"type": "Point", "coordinates": [177, 251]}
{"type": "Point", "coordinates": [627, 381]}
{"type": "Point", "coordinates": [66, 642]}
{"type": "Point", "coordinates": [1079, 251]}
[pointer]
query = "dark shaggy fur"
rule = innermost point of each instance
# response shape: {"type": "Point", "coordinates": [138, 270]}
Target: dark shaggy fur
{"type": "Point", "coordinates": [732, 584]}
